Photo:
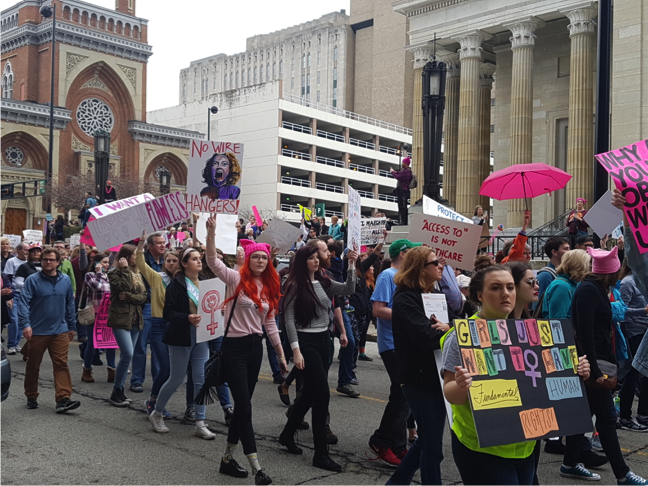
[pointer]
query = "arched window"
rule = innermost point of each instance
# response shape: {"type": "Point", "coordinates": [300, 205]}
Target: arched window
{"type": "Point", "coordinates": [249, 80]}
{"type": "Point", "coordinates": [267, 71]}
{"type": "Point", "coordinates": [274, 69]}
{"type": "Point", "coordinates": [7, 81]}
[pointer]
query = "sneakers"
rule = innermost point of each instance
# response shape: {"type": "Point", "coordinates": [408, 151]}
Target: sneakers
{"type": "Point", "coordinates": [118, 399]}
{"type": "Point", "coordinates": [579, 472]}
{"type": "Point", "coordinates": [348, 391]}
{"type": "Point", "coordinates": [328, 464]}
{"type": "Point", "coordinates": [66, 405]}
{"type": "Point", "coordinates": [229, 413]}
{"type": "Point", "coordinates": [189, 414]}
{"type": "Point", "coordinates": [555, 447]}
{"type": "Point", "coordinates": [331, 438]}
{"type": "Point", "coordinates": [633, 425]}
{"type": "Point", "coordinates": [157, 421]}
{"type": "Point", "coordinates": [596, 442]}
{"type": "Point", "coordinates": [32, 404]}
{"type": "Point", "coordinates": [150, 408]}
{"type": "Point", "coordinates": [385, 455]}
{"type": "Point", "coordinates": [136, 388]}
{"type": "Point", "coordinates": [591, 459]}
{"type": "Point", "coordinates": [11, 351]}
{"type": "Point", "coordinates": [632, 478]}
{"type": "Point", "coordinates": [354, 381]}
{"type": "Point", "coordinates": [203, 432]}
{"type": "Point", "coordinates": [364, 357]}
{"type": "Point", "coordinates": [642, 419]}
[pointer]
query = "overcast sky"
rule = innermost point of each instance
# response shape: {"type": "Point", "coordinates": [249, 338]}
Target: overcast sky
{"type": "Point", "coordinates": [192, 29]}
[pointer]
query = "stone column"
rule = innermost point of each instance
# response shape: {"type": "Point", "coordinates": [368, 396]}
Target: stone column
{"type": "Point", "coordinates": [451, 129]}
{"type": "Point", "coordinates": [580, 134]}
{"type": "Point", "coordinates": [468, 182]}
{"type": "Point", "coordinates": [421, 56]}
{"type": "Point", "coordinates": [485, 88]}
{"type": "Point", "coordinates": [522, 45]}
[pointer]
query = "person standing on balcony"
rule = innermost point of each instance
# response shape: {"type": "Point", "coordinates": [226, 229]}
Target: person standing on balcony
{"type": "Point", "coordinates": [404, 177]}
{"type": "Point", "coordinates": [576, 222]}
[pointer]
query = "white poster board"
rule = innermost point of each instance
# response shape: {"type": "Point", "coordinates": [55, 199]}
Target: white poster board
{"type": "Point", "coordinates": [453, 240]}
{"type": "Point", "coordinates": [214, 176]}
{"type": "Point", "coordinates": [225, 231]}
{"type": "Point", "coordinates": [604, 218]}
{"type": "Point", "coordinates": [372, 230]}
{"type": "Point", "coordinates": [433, 208]}
{"type": "Point", "coordinates": [33, 236]}
{"type": "Point", "coordinates": [74, 240]}
{"type": "Point", "coordinates": [212, 296]}
{"type": "Point", "coordinates": [354, 227]}
{"type": "Point", "coordinates": [14, 240]}
{"type": "Point", "coordinates": [280, 234]}
{"type": "Point", "coordinates": [113, 207]}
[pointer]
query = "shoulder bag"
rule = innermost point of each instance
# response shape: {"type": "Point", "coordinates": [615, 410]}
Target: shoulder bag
{"type": "Point", "coordinates": [85, 314]}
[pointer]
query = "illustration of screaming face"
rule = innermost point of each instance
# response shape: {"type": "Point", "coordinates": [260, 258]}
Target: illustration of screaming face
{"type": "Point", "coordinates": [220, 170]}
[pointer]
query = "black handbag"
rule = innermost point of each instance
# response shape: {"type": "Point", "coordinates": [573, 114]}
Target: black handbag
{"type": "Point", "coordinates": [214, 371]}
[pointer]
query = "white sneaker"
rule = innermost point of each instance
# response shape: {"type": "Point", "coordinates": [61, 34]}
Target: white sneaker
{"type": "Point", "coordinates": [203, 432]}
{"type": "Point", "coordinates": [157, 420]}
{"type": "Point", "coordinates": [11, 351]}
{"type": "Point", "coordinates": [18, 348]}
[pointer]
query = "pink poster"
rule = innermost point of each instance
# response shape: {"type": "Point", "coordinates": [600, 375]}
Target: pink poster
{"type": "Point", "coordinates": [628, 167]}
{"type": "Point", "coordinates": [257, 216]}
{"type": "Point", "coordinates": [103, 335]}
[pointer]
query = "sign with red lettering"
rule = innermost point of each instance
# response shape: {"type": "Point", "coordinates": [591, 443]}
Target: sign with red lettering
{"type": "Point", "coordinates": [456, 241]}
{"type": "Point", "coordinates": [628, 167]}
{"type": "Point", "coordinates": [103, 335]}
{"type": "Point", "coordinates": [214, 176]}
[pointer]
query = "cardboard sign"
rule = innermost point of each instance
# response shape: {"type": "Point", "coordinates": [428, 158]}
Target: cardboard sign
{"type": "Point", "coordinates": [113, 207]}
{"type": "Point", "coordinates": [214, 176]}
{"type": "Point", "coordinates": [14, 240]}
{"type": "Point", "coordinates": [372, 230]}
{"type": "Point", "coordinates": [453, 240]}
{"type": "Point", "coordinates": [354, 226]}
{"type": "Point", "coordinates": [628, 167]}
{"type": "Point", "coordinates": [525, 385]}
{"type": "Point", "coordinates": [75, 240]}
{"type": "Point", "coordinates": [128, 224]}
{"type": "Point", "coordinates": [280, 234]}
{"type": "Point", "coordinates": [604, 218]}
{"type": "Point", "coordinates": [433, 208]}
{"type": "Point", "coordinates": [225, 232]}
{"type": "Point", "coordinates": [103, 335]}
{"type": "Point", "coordinates": [210, 308]}
{"type": "Point", "coordinates": [33, 236]}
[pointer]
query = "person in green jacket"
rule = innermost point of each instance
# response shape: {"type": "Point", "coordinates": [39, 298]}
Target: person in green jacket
{"type": "Point", "coordinates": [65, 267]}
{"type": "Point", "coordinates": [557, 300]}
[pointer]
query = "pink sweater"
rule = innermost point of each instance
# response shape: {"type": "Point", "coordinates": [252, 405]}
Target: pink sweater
{"type": "Point", "coordinates": [247, 319]}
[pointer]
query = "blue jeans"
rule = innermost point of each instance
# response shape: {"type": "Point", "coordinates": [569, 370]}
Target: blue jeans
{"type": "Point", "coordinates": [139, 356]}
{"type": "Point", "coordinates": [223, 391]}
{"type": "Point", "coordinates": [180, 357]}
{"type": "Point", "coordinates": [345, 372]}
{"type": "Point", "coordinates": [126, 339]}
{"type": "Point", "coordinates": [13, 332]}
{"type": "Point", "coordinates": [89, 352]}
{"type": "Point", "coordinates": [426, 453]}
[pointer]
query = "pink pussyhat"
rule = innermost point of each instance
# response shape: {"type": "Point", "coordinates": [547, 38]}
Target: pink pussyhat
{"type": "Point", "coordinates": [603, 261]}
{"type": "Point", "coordinates": [250, 247]}
{"type": "Point", "coordinates": [407, 161]}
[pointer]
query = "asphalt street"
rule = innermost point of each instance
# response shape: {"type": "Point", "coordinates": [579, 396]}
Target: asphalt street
{"type": "Point", "coordinates": [102, 444]}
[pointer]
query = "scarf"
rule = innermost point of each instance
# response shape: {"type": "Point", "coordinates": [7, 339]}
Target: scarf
{"type": "Point", "coordinates": [193, 292]}
{"type": "Point", "coordinates": [166, 280]}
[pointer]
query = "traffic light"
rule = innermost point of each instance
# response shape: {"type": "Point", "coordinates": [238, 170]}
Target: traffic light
{"type": "Point", "coordinates": [7, 190]}
{"type": "Point", "coordinates": [42, 185]}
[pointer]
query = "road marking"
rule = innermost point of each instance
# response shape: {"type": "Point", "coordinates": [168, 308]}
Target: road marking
{"type": "Point", "coordinates": [637, 452]}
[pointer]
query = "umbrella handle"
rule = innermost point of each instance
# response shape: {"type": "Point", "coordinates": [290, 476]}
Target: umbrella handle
{"type": "Point", "coordinates": [526, 204]}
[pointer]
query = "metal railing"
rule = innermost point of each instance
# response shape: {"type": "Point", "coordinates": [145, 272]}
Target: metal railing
{"type": "Point", "coordinates": [387, 197]}
{"type": "Point", "coordinates": [290, 208]}
{"type": "Point", "coordinates": [334, 213]}
{"type": "Point", "coordinates": [536, 243]}
{"type": "Point", "coordinates": [297, 128]}
{"type": "Point", "coordinates": [362, 168]}
{"type": "Point", "coordinates": [325, 160]}
{"type": "Point", "coordinates": [367, 194]}
{"type": "Point", "coordinates": [385, 173]}
{"type": "Point", "coordinates": [330, 136]}
{"type": "Point", "coordinates": [295, 182]}
{"type": "Point", "coordinates": [555, 227]}
{"type": "Point", "coordinates": [295, 155]}
{"type": "Point", "coordinates": [362, 143]}
{"type": "Point", "coordinates": [329, 187]}
{"type": "Point", "coordinates": [388, 150]}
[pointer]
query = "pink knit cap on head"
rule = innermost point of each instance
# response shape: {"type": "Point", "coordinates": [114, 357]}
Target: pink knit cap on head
{"type": "Point", "coordinates": [407, 161]}
{"type": "Point", "coordinates": [603, 261]}
{"type": "Point", "coordinates": [250, 247]}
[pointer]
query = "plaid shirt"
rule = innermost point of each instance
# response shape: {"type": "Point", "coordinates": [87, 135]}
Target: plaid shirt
{"type": "Point", "coordinates": [97, 285]}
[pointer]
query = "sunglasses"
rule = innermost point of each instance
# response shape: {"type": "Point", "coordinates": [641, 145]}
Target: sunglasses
{"type": "Point", "coordinates": [533, 282]}
{"type": "Point", "coordinates": [435, 263]}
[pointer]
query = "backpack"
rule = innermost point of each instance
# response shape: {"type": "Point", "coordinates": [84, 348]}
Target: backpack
{"type": "Point", "coordinates": [414, 182]}
{"type": "Point", "coordinates": [537, 314]}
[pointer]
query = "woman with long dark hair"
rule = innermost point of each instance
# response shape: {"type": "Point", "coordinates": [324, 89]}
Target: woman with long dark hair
{"type": "Point", "coordinates": [307, 303]}
{"type": "Point", "coordinates": [252, 302]}
{"type": "Point", "coordinates": [526, 289]}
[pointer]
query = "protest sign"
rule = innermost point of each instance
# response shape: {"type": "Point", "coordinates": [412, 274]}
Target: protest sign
{"type": "Point", "coordinates": [436, 305]}
{"type": "Point", "coordinates": [212, 297]}
{"type": "Point", "coordinates": [257, 216]}
{"type": "Point", "coordinates": [453, 240]}
{"type": "Point", "coordinates": [280, 234]}
{"type": "Point", "coordinates": [75, 240]}
{"type": "Point", "coordinates": [372, 230]}
{"type": "Point", "coordinates": [128, 224]}
{"type": "Point", "coordinates": [354, 228]}
{"type": "Point", "coordinates": [433, 208]}
{"type": "Point", "coordinates": [306, 213]}
{"type": "Point", "coordinates": [14, 240]}
{"type": "Point", "coordinates": [525, 384]}
{"type": "Point", "coordinates": [214, 176]}
{"type": "Point", "coordinates": [113, 207]}
{"type": "Point", "coordinates": [225, 231]}
{"type": "Point", "coordinates": [628, 167]}
{"type": "Point", "coordinates": [604, 218]}
{"type": "Point", "coordinates": [33, 236]}
{"type": "Point", "coordinates": [103, 335]}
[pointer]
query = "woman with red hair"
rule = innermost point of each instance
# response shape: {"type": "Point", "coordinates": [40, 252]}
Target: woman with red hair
{"type": "Point", "coordinates": [252, 302]}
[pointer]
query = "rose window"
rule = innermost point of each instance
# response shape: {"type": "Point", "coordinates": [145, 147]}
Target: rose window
{"type": "Point", "coordinates": [14, 155]}
{"type": "Point", "coordinates": [93, 114]}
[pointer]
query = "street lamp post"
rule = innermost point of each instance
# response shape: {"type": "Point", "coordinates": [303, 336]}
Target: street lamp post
{"type": "Point", "coordinates": [434, 80]}
{"type": "Point", "coordinates": [48, 11]}
{"type": "Point", "coordinates": [210, 110]}
{"type": "Point", "coordinates": [165, 181]}
{"type": "Point", "coordinates": [102, 161]}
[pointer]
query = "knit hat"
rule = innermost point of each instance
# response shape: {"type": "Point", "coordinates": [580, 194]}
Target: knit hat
{"type": "Point", "coordinates": [250, 247]}
{"type": "Point", "coordinates": [463, 281]}
{"type": "Point", "coordinates": [400, 245]}
{"type": "Point", "coordinates": [407, 161]}
{"type": "Point", "coordinates": [603, 261]}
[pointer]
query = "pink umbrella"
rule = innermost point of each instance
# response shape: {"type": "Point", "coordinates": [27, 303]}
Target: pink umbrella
{"type": "Point", "coordinates": [524, 180]}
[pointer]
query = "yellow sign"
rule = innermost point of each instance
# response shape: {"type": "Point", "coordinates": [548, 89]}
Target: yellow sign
{"type": "Point", "coordinates": [492, 394]}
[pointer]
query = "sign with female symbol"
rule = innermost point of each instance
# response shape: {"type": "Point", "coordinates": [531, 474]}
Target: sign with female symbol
{"type": "Point", "coordinates": [212, 296]}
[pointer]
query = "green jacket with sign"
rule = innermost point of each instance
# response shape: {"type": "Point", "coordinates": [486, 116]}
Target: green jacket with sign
{"type": "Point", "coordinates": [122, 312]}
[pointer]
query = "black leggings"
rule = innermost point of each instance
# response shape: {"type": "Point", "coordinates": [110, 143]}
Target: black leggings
{"type": "Point", "coordinates": [242, 358]}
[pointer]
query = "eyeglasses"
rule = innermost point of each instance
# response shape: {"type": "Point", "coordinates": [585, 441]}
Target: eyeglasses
{"type": "Point", "coordinates": [533, 282]}
{"type": "Point", "coordinates": [259, 257]}
{"type": "Point", "coordinates": [435, 263]}
{"type": "Point", "coordinates": [49, 260]}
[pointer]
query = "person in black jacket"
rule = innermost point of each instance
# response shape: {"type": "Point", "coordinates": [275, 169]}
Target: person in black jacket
{"type": "Point", "coordinates": [416, 336]}
{"type": "Point", "coordinates": [7, 294]}
{"type": "Point", "coordinates": [181, 312]}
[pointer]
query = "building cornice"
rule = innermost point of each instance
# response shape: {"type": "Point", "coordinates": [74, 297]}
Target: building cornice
{"type": "Point", "coordinates": [161, 135]}
{"type": "Point", "coordinates": [36, 114]}
{"type": "Point", "coordinates": [82, 6]}
{"type": "Point", "coordinates": [412, 8]}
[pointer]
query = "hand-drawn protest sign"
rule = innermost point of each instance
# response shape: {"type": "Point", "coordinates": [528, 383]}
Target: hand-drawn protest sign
{"type": "Point", "coordinates": [628, 167]}
{"type": "Point", "coordinates": [525, 385]}
{"type": "Point", "coordinates": [372, 230]}
{"type": "Point", "coordinates": [280, 234]}
{"type": "Point", "coordinates": [103, 335]}
{"type": "Point", "coordinates": [14, 240]}
{"type": "Point", "coordinates": [214, 178]}
{"type": "Point", "coordinates": [455, 241]}
{"type": "Point", "coordinates": [127, 224]}
{"type": "Point", "coordinates": [113, 207]}
{"type": "Point", "coordinates": [354, 228]}
{"type": "Point", "coordinates": [604, 218]}
{"type": "Point", "coordinates": [75, 240]}
{"type": "Point", "coordinates": [433, 208]}
{"type": "Point", "coordinates": [33, 236]}
{"type": "Point", "coordinates": [212, 296]}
